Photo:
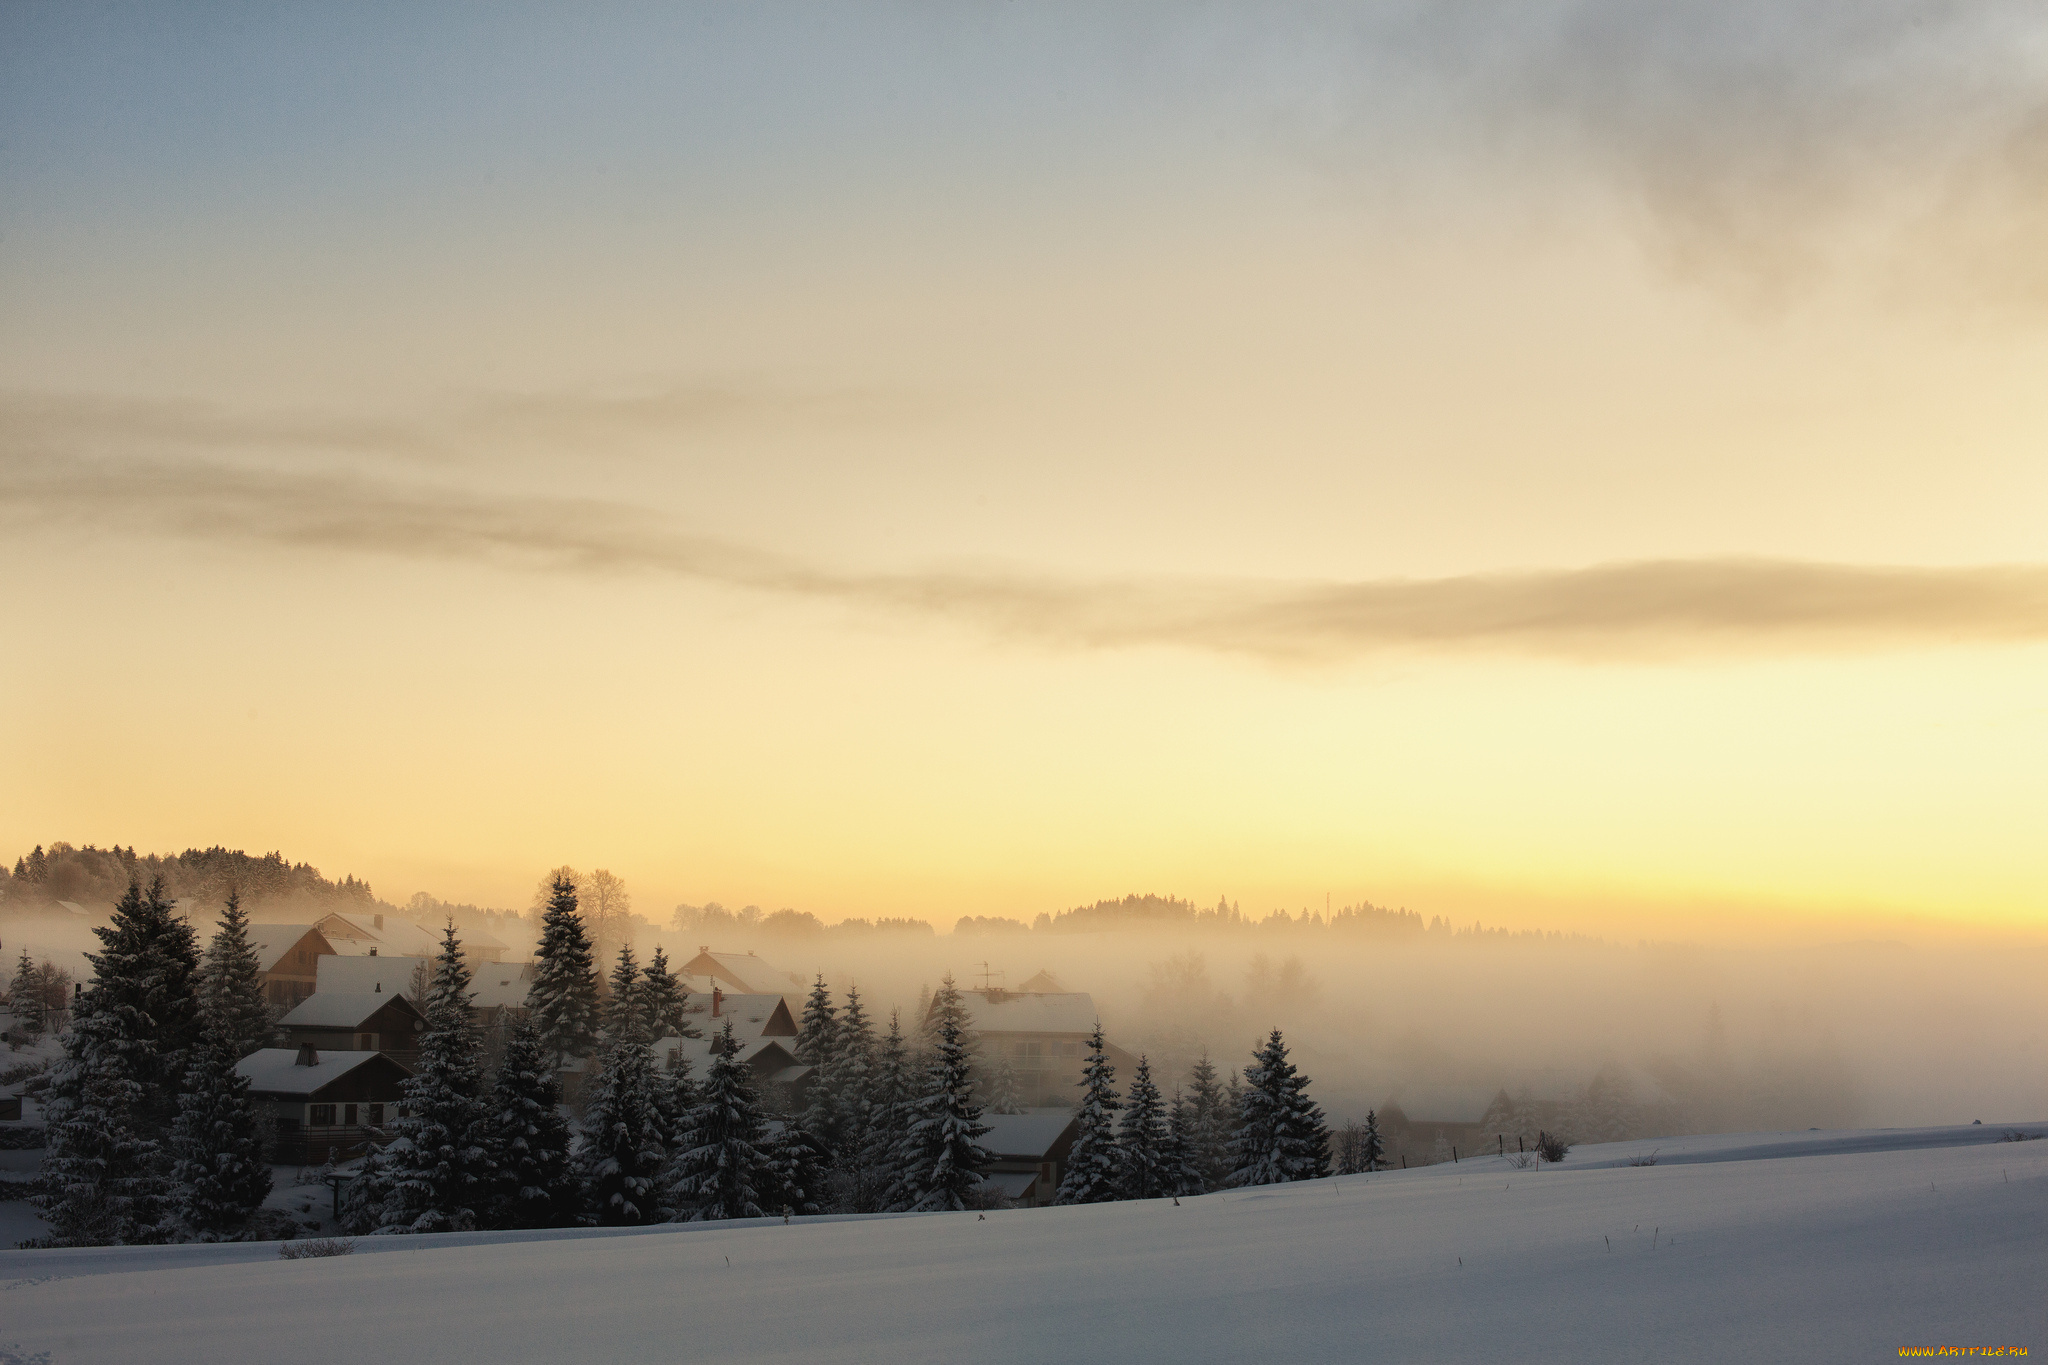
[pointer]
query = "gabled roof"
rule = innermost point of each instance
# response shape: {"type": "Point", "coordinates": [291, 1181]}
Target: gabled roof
{"type": "Point", "coordinates": [492, 984]}
{"type": "Point", "coordinates": [742, 972]}
{"type": "Point", "coordinates": [273, 941]}
{"type": "Point", "coordinates": [1027, 1136]}
{"type": "Point", "coordinates": [766, 1055]}
{"type": "Point", "coordinates": [343, 1009]}
{"type": "Point", "coordinates": [1009, 1012]}
{"type": "Point", "coordinates": [275, 1070]}
{"type": "Point", "coordinates": [753, 1016]}
{"type": "Point", "coordinates": [1045, 983]}
{"type": "Point", "coordinates": [401, 937]}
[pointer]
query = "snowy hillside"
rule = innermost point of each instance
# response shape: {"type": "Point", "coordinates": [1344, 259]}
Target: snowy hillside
{"type": "Point", "coordinates": [1808, 1247]}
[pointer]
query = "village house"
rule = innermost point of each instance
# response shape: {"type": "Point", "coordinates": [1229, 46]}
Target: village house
{"type": "Point", "coordinates": [377, 1021]}
{"type": "Point", "coordinates": [323, 1104]}
{"type": "Point", "coordinates": [288, 956]}
{"type": "Point", "coordinates": [762, 1027]}
{"type": "Point", "coordinates": [1031, 1151]}
{"type": "Point", "coordinates": [397, 936]}
{"type": "Point", "coordinates": [743, 973]}
{"type": "Point", "coordinates": [1043, 1035]}
{"type": "Point", "coordinates": [495, 987]}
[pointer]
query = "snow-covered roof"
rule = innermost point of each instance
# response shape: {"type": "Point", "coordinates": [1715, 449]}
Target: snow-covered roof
{"type": "Point", "coordinates": [275, 1070]}
{"type": "Point", "coordinates": [769, 1054]}
{"type": "Point", "coordinates": [1044, 981]}
{"type": "Point", "coordinates": [743, 971]}
{"type": "Point", "coordinates": [340, 1009]}
{"type": "Point", "coordinates": [1029, 1135]}
{"type": "Point", "coordinates": [400, 937]}
{"type": "Point", "coordinates": [1010, 1012]}
{"type": "Point", "coordinates": [273, 941]}
{"type": "Point", "coordinates": [752, 1016]}
{"type": "Point", "coordinates": [493, 984]}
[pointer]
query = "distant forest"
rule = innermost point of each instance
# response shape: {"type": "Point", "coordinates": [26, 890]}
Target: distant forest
{"type": "Point", "coordinates": [92, 876]}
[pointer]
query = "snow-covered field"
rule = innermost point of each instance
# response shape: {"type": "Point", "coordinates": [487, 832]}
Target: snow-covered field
{"type": "Point", "coordinates": [1751, 1247]}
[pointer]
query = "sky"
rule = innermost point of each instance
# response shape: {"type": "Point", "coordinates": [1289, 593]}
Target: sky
{"type": "Point", "coordinates": [1571, 464]}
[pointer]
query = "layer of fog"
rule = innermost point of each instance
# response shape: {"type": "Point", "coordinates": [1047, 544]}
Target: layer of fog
{"type": "Point", "coordinates": [1868, 1034]}
{"type": "Point", "coordinates": [1857, 1035]}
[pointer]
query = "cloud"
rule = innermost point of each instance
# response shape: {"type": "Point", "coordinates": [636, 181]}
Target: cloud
{"type": "Point", "coordinates": [1759, 143]}
{"type": "Point", "coordinates": [1656, 609]}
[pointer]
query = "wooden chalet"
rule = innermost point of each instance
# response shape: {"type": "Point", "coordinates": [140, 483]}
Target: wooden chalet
{"type": "Point", "coordinates": [376, 1021]}
{"type": "Point", "coordinates": [288, 955]}
{"type": "Point", "coordinates": [762, 1027]}
{"type": "Point", "coordinates": [1031, 1151]}
{"type": "Point", "coordinates": [1043, 1035]}
{"type": "Point", "coordinates": [323, 1104]}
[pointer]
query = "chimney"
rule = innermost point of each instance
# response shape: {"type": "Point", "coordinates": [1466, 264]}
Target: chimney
{"type": "Point", "coordinates": [306, 1057]}
{"type": "Point", "coordinates": [717, 999]}
{"type": "Point", "coordinates": [379, 920]}
{"type": "Point", "coordinates": [379, 990]}
{"type": "Point", "coordinates": [373, 952]}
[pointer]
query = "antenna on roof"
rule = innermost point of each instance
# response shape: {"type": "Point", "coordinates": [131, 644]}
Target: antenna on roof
{"type": "Point", "coordinates": [985, 974]}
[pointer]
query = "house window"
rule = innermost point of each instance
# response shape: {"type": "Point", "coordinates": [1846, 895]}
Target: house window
{"type": "Point", "coordinates": [1034, 1049]}
{"type": "Point", "coordinates": [376, 1115]}
{"type": "Point", "coordinates": [1070, 1049]}
{"type": "Point", "coordinates": [348, 1115]}
{"type": "Point", "coordinates": [320, 1115]}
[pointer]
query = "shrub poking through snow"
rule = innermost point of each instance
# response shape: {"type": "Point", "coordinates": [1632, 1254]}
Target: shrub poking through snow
{"type": "Point", "coordinates": [1551, 1147]}
{"type": "Point", "coordinates": [315, 1247]}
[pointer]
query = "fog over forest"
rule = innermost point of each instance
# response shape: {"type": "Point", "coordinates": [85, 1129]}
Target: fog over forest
{"type": "Point", "coordinates": [1377, 1005]}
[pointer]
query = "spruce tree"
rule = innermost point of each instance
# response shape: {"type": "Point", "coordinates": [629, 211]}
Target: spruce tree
{"type": "Point", "coordinates": [438, 1164]}
{"type": "Point", "coordinates": [217, 1143]}
{"type": "Point", "coordinates": [942, 1162]}
{"type": "Point", "coordinates": [563, 997]}
{"type": "Point", "coordinates": [1212, 1118]}
{"type": "Point", "coordinates": [665, 1001]}
{"type": "Point", "coordinates": [231, 998]}
{"type": "Point", "coordinates": [878, 1184]}
{"type": "Point", "coordinates": [720, 1170]}
{"type": "Point", "coordinates": [528, 1139]}
{"type": "Point", "coordinates": [850, 1078]}
{"type": "Point", "coordinates": [1092, 1176]}
{"type": "Point", "coordinates": [626, 1138]}
{"type": "Point", "coordinates": [1282, 1136]}
{"type": "Point", "coordinates": [1182, 1176]}
{"type": "Point", "coordinates": [817, 1047]}
{"type": "Point", "coordinates": [145, 990]}
{"type": "Point", "coordinates": [1001, 1087]}
{"type": "Point", "coordinates": [1373, 1150]}
{"type": "Point", "coordinates": [25, 998]}
{"type": "Point", "coordinates": [793, 1165]}
{"type": "Point", "coordinates": [625, 1005]}
{"type": "Point", "coordinates": [1141, 1142]}
{"type": "Point", "coordinates": [102, 1181]}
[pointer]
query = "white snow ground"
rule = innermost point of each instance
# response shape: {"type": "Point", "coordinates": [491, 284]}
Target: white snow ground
{"type": "Point", "coordinates": [1751, 1247]}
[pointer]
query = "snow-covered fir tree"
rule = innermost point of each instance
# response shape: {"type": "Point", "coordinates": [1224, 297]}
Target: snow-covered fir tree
{"type": "Point", "coordinates": [720, 1169]}
{"type": "Point", "coordinates": [145, 979]}
{"type": "Point", "coordinates": [625, 1013]}
{"type": "Point", "coordinates": [1604, 1111]}
{"type": "Point", "coordinates": [1181, 1175]}
{"type": "Point", "coordinates": [817, 1046]}
{"type": "Point", "coordinates": [438, 1163]}
{"type": "Point", "coordinates": [1281, 1135]}
{"type": "Point", "coordinates": [231, 1001]}
{"type": "Point", "coordinates": [1211, 1122]}
{"type": "Point", "coordinates": [531, 1185]}
{"type": "Point", "coordinates": [25, 998]}
{"type": "Point", "coordinates": [666, 1001]}
{"type": "Point", "coordinates": [852, 1067]}
{"type": "Point", "coordinates": [1000, 1087]}
{"type": "Point", "coordinates": [1141, 1140]}
{"type": "Point", "coordinates": [794, 1166]}
{"type": "Point", "coordinates": [942, 1161]}
{"type": "Point", "coordinates": [563, 997]}
{"type": "Point", "coordinates": [1497, 1121]}
{"type": "Point", "coordinates": [626, 1126]}
{"type": "Point", "coordinates": [1093, 1175]}
{"type": "Point", "coordinates": [878, 1185]}
{"type": "Point", "coordinates": [103, 1181]}
{"type": "Point", "coordinates": [219, 1172]}
{"type": "Point", "coordinates": [1372, 1148]}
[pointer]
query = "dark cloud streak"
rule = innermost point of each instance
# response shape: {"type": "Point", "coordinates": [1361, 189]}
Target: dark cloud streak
{"type": "Point", "coordinates": [1657, 609]}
